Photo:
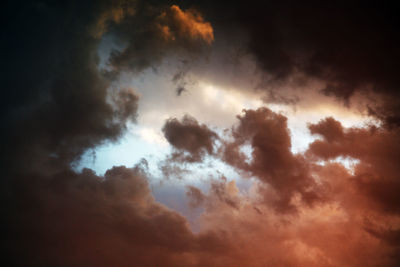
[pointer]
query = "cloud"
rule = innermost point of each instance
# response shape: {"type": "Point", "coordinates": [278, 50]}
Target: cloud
{"type": "Point", "coordinates": [163, 32]}
{"type": "Point", "coordinates": [306, 238]}
{"type": "Point", "coordinates": [83, 219]}
{"type": "Point", "coordinates": [350, 47]}
{"type": "Point", "coordinates": [377, 149]}
{"type": "Point", "coordinates": [57, 104]}
{"type": "Point", "coordinates": [126, 103]}
{"type": "Point", "coordinates": [177, 24]}
{"type": "Point", "coordinates": [329, 128]}
{"type": "Point", "coordinates": [272, 161]}
{"type": "Point", "coordinates": [55, 90]}
{"type": "Point", "coordinates": [189, 136]}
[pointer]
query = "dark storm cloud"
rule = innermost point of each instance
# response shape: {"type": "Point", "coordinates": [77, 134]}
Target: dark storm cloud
{"type": "Point", "coordinates": [271, 158]}
{"type": "Point", "coordinates": [377, 174]}
{"type": "Point", "coordinates": [352, 46]}
{"type": "Point", "coordinates": [330, 129]}
{"type": "Point", "coordinates": [56, 104]}
{"type": "Point", "coordinates": [375, 182]}
{"type": "Point", "coordinates": [83, 219]}
{"type": "Point", "coordinates": [54, 98]}
{"type": "Point", "coordinates": [165, 30]}
{"type": "Point", "coordinates": [53, 107]}
{"type": "Point", "coordinates": [391, 237]}
{"type": "Point", "coordinates": [189, 136]}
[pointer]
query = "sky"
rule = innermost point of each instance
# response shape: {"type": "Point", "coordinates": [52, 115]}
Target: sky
{"type": "Point", "coordinates": [197, 133]}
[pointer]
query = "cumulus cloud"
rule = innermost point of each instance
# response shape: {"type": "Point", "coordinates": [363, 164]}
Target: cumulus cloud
{"type": "Point", "coordinates": [271, 158]}
{"type": "Point", "coordinates": [191, 137]}
{"type": "Point", "coordinates": [377, 149]}
{"type": "Point", "coordinates": [83, 219]}
{"type": "Point", "coordinates": [164, 31]}
{"type": "Point", "coordinates": [177, 24]}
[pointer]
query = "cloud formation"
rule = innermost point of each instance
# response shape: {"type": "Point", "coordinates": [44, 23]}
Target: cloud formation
{"type": "Point", "coordinates": [54, 105]}
{"type": "Point", "coordinates": [304, 209]}
{"type": "Point", "coordinates": [84, 219]}
{"type": "Point", "coordinates": [177, 24]}
{"type": "Point", "coordinates": [191, 137]}
{"type": "Point", "coordinates": [376, 175]}
{"type": "Point", "coordinates": [271, 158]}
{"type": "Point", "coordinates": [57, 103]}
{"type": "Point", "coordinates": [164, 31]}
{"type": "Point", "coordinates": [349, 47]}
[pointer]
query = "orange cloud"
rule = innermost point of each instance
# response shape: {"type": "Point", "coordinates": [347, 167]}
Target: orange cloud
{"type": "Point", "coordinates": [178, 24]}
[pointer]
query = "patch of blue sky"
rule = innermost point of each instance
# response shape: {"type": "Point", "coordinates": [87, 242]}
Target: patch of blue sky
{"type": "Point", "coordinates": [128, 151]}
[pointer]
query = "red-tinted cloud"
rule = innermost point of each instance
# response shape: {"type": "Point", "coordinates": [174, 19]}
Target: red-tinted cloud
{"type": "Point", "coordinates": [376, 175]}
{"type": "Point", "coordinates": [271, 158]}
